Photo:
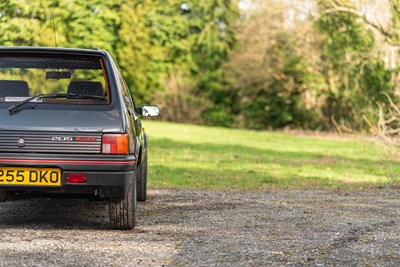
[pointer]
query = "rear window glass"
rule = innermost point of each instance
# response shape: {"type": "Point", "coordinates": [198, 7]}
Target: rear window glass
{"type": "Point", "coordinates": [22, 77]}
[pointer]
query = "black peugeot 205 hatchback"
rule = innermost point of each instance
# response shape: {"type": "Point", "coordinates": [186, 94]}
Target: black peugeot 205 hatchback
{"type": "Point", "coordinates": [69, 125]}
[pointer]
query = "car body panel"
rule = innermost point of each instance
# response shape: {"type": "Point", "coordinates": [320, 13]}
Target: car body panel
{"type": "Point", "coordinates": [57, 119]}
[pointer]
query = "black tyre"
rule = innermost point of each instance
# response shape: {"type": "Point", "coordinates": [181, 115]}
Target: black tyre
{"type": "Point", "coordinates": [142, 181]}
{"type": "Point", "coordinates": [123, 210]}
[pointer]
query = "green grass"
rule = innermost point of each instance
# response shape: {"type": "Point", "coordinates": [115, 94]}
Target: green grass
{"type": "Point", "coordinates": [190, 156]}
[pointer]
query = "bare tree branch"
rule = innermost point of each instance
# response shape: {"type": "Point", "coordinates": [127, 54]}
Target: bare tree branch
{"type": "Point", "coordinates": [389, 36]}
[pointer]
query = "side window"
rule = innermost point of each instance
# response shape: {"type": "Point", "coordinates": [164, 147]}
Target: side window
{"type": "Point", "coordinates": [126, 92]}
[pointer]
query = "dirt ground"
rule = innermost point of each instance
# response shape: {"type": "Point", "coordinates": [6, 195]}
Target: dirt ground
{"type": "Point", "coordinates": [208, 228]}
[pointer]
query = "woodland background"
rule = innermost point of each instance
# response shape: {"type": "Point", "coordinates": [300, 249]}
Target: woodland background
{"type": "Point", "coordinates": [259, 64]}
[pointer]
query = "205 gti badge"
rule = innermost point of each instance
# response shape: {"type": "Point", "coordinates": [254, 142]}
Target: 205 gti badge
{"type": "Point", "coordinates": [73, 138]}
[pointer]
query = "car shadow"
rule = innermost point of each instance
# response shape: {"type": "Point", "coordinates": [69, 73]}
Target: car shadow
{"type": "Point", "coordinates": [47, 213]}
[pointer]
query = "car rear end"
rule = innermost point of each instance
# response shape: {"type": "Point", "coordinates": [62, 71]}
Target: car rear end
{"type": "Point", "coordinates": [79, 142]}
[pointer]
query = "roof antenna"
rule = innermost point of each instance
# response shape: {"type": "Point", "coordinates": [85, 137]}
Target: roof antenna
{"type": "Point", "coordinates": [54, 32]}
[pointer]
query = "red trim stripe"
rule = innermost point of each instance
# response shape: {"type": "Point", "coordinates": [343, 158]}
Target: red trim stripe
{"type": "Point", "coordinates": [96, 162]}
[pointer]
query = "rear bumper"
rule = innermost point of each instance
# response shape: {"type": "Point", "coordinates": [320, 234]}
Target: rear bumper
{"type": "Point", "coordinates": [107, 176]}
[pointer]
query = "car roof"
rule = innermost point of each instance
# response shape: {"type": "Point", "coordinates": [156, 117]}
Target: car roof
{"type": "Point", "coordinates": [51, 50]}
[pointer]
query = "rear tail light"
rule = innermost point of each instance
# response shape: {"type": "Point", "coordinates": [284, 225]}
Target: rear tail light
{"type": "Point", "coordinates": [76, 178]}
{"type": "Point", "coordinates": [115, 144]}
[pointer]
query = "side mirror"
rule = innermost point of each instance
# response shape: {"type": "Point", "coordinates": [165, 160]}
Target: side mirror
{"type": "Point", "coordinates": [148, 111]}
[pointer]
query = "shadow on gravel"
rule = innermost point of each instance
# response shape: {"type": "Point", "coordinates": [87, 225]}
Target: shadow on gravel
{"type": "Point", "coordinates": [46, 213]}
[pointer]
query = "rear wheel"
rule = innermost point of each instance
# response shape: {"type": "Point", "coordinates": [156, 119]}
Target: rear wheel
{"type": "Point", "coordinates": [123, 210]}
{"type": "Point", "coordinates": [142, 181]}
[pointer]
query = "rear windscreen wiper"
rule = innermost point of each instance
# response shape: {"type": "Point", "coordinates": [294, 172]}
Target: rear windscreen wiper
{"type": "Point", "coordinates": [13, 108]}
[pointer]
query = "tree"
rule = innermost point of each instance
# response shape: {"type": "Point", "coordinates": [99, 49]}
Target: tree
{"type": "Point", "coordinates": [355, 74]}
{"type": "Point", "coordinates": [176, 49]}
{"type": "Point", "coordinates": [271, 69]}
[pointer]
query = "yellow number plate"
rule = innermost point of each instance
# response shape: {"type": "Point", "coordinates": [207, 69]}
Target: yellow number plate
{"type": "Point", "coordinates": [30, 176]}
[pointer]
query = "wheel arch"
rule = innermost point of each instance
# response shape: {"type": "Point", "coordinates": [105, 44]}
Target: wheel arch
{"type": "Point", "coordinates": [140, 149]}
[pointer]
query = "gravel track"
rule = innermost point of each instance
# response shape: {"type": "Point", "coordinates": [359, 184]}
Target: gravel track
{"type": "Point", "coordinates": [206, 228]}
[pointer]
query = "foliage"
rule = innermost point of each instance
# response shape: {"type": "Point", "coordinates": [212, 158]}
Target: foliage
{"type": "Point", "coordinates": [355, 77]}
{"type": "Point", "coordinates": [169, 43]}
{"type": "Point", "coordinates": [77, 23]}
{"type": "Point", "coordinates": [274, 96]}
{"type": "Point", "coordinates": [310, 71]}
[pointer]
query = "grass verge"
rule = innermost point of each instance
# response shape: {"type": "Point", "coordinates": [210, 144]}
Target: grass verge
{"type": "Point", "coordinates": [191, 156]}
